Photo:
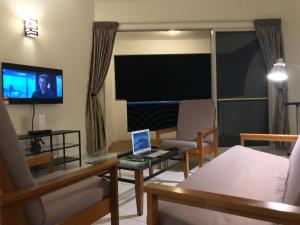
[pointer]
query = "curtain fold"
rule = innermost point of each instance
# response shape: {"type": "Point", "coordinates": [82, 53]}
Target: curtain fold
{"type": "Point", "coordinates": [269, 34]}
{"type": "Point", "coordinates": [104, 34]}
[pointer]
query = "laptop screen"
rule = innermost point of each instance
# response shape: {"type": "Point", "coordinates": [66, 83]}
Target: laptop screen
{"type": "Point", "coordinates": [140, 141]}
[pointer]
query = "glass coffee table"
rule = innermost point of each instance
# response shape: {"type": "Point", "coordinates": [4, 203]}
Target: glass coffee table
{"type": "Point", "coordinates": [139, 167]}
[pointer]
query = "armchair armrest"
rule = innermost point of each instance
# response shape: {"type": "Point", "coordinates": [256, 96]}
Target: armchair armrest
{"type": "Point", "coordinates": [204, 133]}
{"type": "Point", "coordinates": [268, 137]}
{"type": "Point", "coordinates": [207, 132]}
{"type": "Point", "coordinates": [40, 159]}
{"type": "Point", "coordinates": [29, 193]}
{"type": "Point", "coordinates": [268, 211]}
{"type": "Point", "coordinates": [163, 131]}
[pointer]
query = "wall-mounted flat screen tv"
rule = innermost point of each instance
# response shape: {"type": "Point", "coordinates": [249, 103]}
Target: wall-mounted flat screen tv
{"type": "Point", "coordinates": [22, 84]}
{"type": "Point", "coordinates": [170, 77]}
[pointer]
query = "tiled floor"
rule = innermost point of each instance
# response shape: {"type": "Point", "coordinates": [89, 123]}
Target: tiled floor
{"type": "Point", "coordinates": [128, 213]}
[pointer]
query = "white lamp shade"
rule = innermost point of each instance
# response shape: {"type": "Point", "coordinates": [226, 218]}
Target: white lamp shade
{"type": "Point", "coordinates": [278, 72]}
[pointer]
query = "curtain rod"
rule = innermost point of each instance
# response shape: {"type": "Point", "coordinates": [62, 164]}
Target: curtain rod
{"type": "Point", "coordinates": [185, 25]}
{"type": "Point", "coordinates": [192, 21]}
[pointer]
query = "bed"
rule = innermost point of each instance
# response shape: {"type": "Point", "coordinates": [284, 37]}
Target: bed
{"type": "Point", "coordinates": [241, 186]}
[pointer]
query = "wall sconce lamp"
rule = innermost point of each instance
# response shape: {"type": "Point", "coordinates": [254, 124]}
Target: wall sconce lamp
{"type": "Point", "coordinates": [31, 28]}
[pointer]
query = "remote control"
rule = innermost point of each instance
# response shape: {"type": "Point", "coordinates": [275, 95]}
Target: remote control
{"type": "Point", "coordinates": [134, 158]}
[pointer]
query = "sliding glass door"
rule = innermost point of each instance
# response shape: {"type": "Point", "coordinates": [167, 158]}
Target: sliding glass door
{"type": "Point", "coordinates": [242, 89]}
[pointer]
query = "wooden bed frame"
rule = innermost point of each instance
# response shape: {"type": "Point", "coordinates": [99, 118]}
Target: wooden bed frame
{"type": "Point", "coordinates": [267, 211]}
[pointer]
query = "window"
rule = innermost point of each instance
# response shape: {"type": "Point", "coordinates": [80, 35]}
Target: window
{"type": "Point", "coordinates": [242, 90]}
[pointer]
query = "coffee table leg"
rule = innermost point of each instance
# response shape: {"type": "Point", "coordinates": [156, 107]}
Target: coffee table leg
{"type": "Point", "coordinates": [186, 162]}
{"type": "Point", "coordinates": [151, 170]}
{"type": "Point", "coordinates": [139, 191]}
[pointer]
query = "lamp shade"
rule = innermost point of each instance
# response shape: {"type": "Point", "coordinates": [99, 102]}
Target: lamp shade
{"type": "Point", "coordinates": [278, 72]}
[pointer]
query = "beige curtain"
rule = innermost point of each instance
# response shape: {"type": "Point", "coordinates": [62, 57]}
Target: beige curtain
{"type": "Point", "coordinates": [104, 34]}
{"type": "Point", "coordinates": [269, 35]}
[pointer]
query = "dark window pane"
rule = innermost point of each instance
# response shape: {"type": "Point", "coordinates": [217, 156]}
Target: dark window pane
{"type": "Point", "coordinates": [237, 117]}
{"type": "Point", "coordinates": [241, 71]}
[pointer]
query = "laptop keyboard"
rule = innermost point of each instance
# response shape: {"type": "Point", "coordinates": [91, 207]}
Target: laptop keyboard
{"type": "Point", "coordinates": [156, 153]}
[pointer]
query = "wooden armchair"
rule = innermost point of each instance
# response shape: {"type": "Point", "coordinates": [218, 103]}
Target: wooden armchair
{"type": "Point", "coordinates": [267, 137]}
{"type": "Point", "coordinates": [195, 131]}
{"type": "Point", "coordinates": [79, 197]}
{"type": "Point", "coordinates": [41, 159]}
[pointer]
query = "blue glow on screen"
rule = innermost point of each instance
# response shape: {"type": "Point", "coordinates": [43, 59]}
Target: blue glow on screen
{"type": "Point", "coordinates": [141, 141]}
{"type": "Point", "coordinates": [14, 84]}
{"type": "Point", "coordinates": [31, 81]}
{"type": "Point", "coordinates": [22, 84]}
{"type": "Point", "coordinates": [59, 85]}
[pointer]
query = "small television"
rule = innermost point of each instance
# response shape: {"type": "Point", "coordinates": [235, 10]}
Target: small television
{"type": "Point", "coordinates": [22, 84]}
{"type": "Point", "coordinates": [165, 77]}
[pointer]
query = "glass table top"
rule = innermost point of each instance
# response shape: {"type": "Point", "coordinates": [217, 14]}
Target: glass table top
{"type": "Point", "coordinates": [128, 164]}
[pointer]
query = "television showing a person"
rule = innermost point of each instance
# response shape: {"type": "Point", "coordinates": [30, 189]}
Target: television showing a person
{"type": "Point", "coordinates": [43, 91]}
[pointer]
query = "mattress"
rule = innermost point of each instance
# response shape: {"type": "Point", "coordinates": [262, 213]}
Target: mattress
{"type": "Point", "coordinates": [241, 172]}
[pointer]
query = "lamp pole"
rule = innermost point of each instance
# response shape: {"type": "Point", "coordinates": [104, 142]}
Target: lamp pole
{"type": "Point", "coordinates": [279, 74]}
{"type": "Point", "coordinates": [297, 104]}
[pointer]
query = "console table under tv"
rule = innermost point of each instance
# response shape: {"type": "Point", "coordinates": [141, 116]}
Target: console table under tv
{"type": "Point", "coordinates": [60, 140]}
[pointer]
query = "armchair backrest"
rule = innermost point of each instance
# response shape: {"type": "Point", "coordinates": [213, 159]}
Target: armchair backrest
{"type": "Point", "coordinates": [194, 116]}
{"type": "Point", "coordinates": [15, 166]}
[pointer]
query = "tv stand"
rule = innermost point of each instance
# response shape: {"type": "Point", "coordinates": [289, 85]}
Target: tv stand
{"type": "Point", "coordinates": [39, 132]}
{"type": "Point", "coordinates": [59, 140]}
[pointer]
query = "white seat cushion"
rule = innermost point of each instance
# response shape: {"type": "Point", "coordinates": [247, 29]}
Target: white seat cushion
{"type": "Point", "coordinates": [72, 199]}
{"type": "Point", "coordinates": [173, 143]}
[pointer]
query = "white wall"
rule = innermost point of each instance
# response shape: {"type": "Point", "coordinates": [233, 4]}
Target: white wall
{"type": "Point", "coordinates": [139, 11]}
{"type": "Point", "coordinates": [173, 12]}
{"type": "Point", "coordinates": [143, 43]}
{"type": "Point", "coordinates": [64, 41]}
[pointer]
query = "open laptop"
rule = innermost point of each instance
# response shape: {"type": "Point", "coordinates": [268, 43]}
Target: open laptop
{"type": "Point", "coordinates": [141, 144]}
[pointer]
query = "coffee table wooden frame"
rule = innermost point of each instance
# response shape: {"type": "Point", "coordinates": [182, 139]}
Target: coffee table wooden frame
{"type": "Point", "coordinates": [139, 178]}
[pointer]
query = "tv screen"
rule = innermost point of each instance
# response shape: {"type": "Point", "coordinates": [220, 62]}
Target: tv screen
{"type": "Point", "coordinates": [170, 77]}
{"type": "Point", "coordinates": [23, 84]}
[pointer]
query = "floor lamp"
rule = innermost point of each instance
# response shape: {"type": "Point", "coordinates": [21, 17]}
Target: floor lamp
{"type": "Point", "coordinates": [278, 74]}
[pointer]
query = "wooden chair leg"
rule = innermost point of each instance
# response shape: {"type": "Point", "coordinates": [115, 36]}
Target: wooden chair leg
{"type": "Point", "coordinates": [216, 152]}
{"type": "Point", "coordinates": [152, 209]}
{"type": "Point", "coordinates": [200, 157]}
{"type": "Point", "coordinates": [186, 166]}
{"type": "Point", "coordinates": [216, 144]}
